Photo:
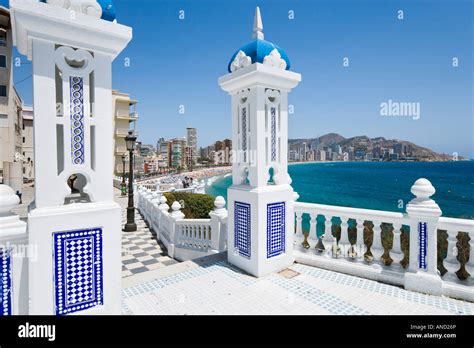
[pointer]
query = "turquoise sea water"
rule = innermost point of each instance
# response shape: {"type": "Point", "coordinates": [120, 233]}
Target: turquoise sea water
{"type": "Point", "coordinates": [379, 185]}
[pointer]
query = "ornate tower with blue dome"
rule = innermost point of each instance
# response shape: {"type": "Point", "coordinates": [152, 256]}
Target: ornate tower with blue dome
{"type": "Point", "coordinates": [260, 200]}
{"type": "Point", "coordinates": [73, 222]}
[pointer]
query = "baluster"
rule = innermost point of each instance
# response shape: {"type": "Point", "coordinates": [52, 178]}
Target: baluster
{"type": "Point", "coordinates": [200, 236]}
{"type": "Point", "coordinates": [299, 237]}
{"type": "Point", "coordinates": [313, 237]}
{"type": "Point", "coordinates": [376, 248]}
{"type": "Point", "coordinates": [396, 252]}
{"type": "Point", "coordinates": [344, 240]}
{"type": "Point", "coordinates": [328, 237]}
{"type": "Point", "coordinates": [470, 263]}
{"type": "Point", "coordinates": [451, 262]}
{"type": "Point", "coordinates": [361, 247]}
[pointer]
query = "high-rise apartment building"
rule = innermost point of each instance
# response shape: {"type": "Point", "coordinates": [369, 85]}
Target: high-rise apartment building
{"type": "Point", "coordinates": [191, 139]}
{"type": "Point", "coordinates": [11, 122]}
{"type": "Point", "coordinates": [125, 115]}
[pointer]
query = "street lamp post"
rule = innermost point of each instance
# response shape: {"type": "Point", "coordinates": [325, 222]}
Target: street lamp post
{"type": "Point", "coordinates": [124, 185]}
{"type": "Point", "coordinates": [130, 226]}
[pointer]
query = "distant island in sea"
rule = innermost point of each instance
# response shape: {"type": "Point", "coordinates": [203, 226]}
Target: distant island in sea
{"type": "Point", "coordinates": [335, 147]}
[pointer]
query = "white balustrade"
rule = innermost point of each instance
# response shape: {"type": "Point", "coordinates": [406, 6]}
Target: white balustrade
{"type": "Point", "coordinates": [194, 234]}
{"type": "Point", "coordinates": [183, 238]}
{"type": "Point", "coordinates": [453, 227]}
{"type": "Point", "coordinates": [422, 274]}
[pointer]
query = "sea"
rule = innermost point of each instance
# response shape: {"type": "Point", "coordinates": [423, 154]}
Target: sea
{"type": "Point", "coordinates": [378, 185]}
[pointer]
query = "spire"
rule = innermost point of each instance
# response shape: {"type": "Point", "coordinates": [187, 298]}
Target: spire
{"type": "Point", "coordinates": [257, 25]}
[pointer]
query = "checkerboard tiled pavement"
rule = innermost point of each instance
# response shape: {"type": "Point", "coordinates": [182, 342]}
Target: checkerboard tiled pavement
{"type": "Point", "coordinates": [141, 252]}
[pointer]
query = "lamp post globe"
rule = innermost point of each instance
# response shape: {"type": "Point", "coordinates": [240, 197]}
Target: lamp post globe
{"type": "Point", "coordinates": [130, 226]}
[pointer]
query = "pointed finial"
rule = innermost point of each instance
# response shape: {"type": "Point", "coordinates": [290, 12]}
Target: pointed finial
{"type": "Point", "coordinates": [257, 25]}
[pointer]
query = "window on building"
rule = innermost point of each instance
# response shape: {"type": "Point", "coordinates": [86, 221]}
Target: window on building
{"type": "Point", "coordinates": [24, 170]}
{"type": "Point", "coordinates": [23, 140]}
{"type": "Point", "coordinates": [3, 91]}
{"type": "Point", "coordinates": [3, 61]}
{"type": "Point", "coordinates": [3, 120]}
{"type": "Point", "coordinates": [3, 37]}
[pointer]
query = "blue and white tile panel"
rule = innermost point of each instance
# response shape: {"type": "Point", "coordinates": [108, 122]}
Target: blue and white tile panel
{"type": "Point", "coordinates": [244, 133]}
{"type": "Point", "coordinates": [77, 260]}
{"type": "Point", "coordinates": [77, 119]}
{"type": "Point", "coordinates": [6, 283]}
{"type": "Point", "coordinates": [273, 133]}
{"type": "Point", "coordinates": [422, 242]}
{"type": "Point", "coordinates": [242, 228]}
{"type": "Point", "coordinates": [275, 229]}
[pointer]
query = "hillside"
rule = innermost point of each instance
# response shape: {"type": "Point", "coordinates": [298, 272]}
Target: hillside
{"type": "Point", "coordinates": [366, 144]}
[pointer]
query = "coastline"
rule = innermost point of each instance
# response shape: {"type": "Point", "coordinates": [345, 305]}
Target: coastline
{"type": "Point", "coordinates": [206, 173]}
{"type": "Point", "coordinates": [378, 186]}
{"type": "Point", "coordinates": [312, 162]}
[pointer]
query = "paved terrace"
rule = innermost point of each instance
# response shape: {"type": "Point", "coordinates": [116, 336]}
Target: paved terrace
{"type": "Point", "coordinates": [153, 283]}
{"type": "Point", "coordinates": [210, 285]}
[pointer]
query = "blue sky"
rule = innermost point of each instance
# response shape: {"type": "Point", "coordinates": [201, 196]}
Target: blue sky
{"type": "Point", "coordinates": [177, 62]}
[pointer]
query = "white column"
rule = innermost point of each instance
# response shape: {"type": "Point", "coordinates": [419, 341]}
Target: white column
{"type": "Point", "coordinates": [424, 213]}
{"type": "Point", "coordinates": [217, 217]}
{"type": "Point", "coordinates": [175, 215]}
{"type": "Point", "coordinates": [72, 79]}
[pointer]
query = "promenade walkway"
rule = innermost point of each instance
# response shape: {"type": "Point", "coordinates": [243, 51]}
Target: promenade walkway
{"type": "Point", "coordinates": [212, 286]}
{"type": "Point", "coordinates": [153, 283]}
{"type": "Point", "coordinates": [141, 252]}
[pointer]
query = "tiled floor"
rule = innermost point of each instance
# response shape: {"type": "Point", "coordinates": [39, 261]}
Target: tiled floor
{"type": "Point", "coordinates": [212, 286]}
{"type": "Point", "coordinates": [141, 252]}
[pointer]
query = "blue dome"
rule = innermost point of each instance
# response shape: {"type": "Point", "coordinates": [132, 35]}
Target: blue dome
{"type": "Point", "coordinates": [257, 50]}
{"type": "Point", "coordinates": [108, 10]}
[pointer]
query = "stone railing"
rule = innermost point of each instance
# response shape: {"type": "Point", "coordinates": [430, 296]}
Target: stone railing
{"type": "Point", "coordinates": [418, 249]}
{"type": "Point", "coordinates": [185, 239]}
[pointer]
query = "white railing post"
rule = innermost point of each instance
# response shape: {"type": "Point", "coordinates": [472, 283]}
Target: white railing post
{"type": "Point", "coordinates": [163, 207]}
{"type": "Point", "coordinates": [155, 212]}
{"type": "Point", "coordinates": [423, 213]}
{"type": "Point", "coordinates": [175, 215]}
{"type": "Point", "coordinates": [217, 217]}
{"type": "Point", "coordinates": [148, 198]}
{"type": "Point", "coordinates": [299, 230]}
{"type": "Point", "coordinates": [13, 256]}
